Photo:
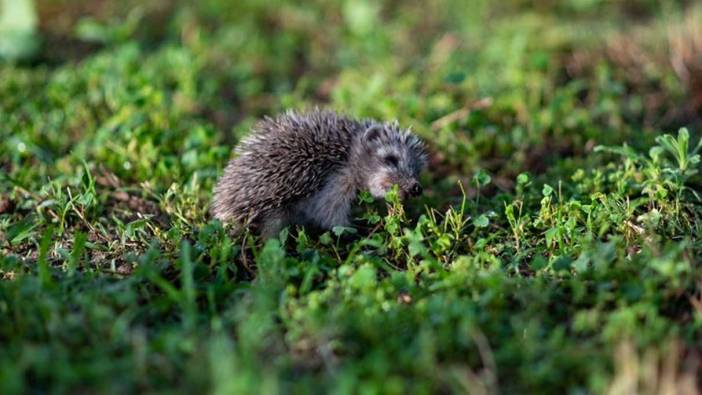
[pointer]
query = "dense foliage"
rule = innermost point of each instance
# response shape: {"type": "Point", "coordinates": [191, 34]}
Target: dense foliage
{"type": "Point", "coordinates": [557, 248]}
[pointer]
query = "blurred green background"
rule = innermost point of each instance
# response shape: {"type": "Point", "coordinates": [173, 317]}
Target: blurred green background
{"type": "Point", "coordinates": [556, 250]}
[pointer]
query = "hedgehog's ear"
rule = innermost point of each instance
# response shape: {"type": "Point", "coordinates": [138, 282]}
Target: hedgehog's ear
{"type": "Point", "coordinates": [372, 134]}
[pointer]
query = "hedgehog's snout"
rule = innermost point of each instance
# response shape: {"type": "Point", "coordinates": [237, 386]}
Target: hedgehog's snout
{"type": "Point", "coordinates": [411, 188]}
{"type": "Point", "coordinates": [416, 189]}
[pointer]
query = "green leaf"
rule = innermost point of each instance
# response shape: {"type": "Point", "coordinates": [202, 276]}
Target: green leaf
{"type": "Point", "coordinates": [624, 151]}
{"type": "Point", "coordinates": [581, 264]}
{"type": "Point", "coordinates": [523, 179]}
{"type": "Point", "coordinates": [42, 261]}
{"type": "Point", "coordinates": [364, 277]}
{"type": "Point", "coordinates": [21, 230]}
{"type": "Point", "coordinates": [187, 285]}
{"type": "Point", "coordinates": [562, 263]}
{"type": "Point", "coordinates": [89, 29]}
{"type": "Point", "coordinates": [547, 190]}
{"type": "Point", "coordinates": [481, 221]}
{"type": "Point", "coordinates": [326, 239]}
{"type": "Point", "coordinates": [365, 197]}
{"type": "Point", "coordinates": [340, 230]}
{"type": "Point", "coordinates": [481, 178]}
{"type": "Point", "coordinates": [551, 235]}
{"type": "Point", "coordinates": [77, 252]}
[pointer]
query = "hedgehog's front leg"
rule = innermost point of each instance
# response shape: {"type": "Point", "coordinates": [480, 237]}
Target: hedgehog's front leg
{"type": "Point", "coordinates": [274, 222]}
{"type": "Point", "coordinates": [331, 205]}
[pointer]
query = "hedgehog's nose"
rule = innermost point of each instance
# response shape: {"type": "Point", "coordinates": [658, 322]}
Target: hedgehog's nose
{"type": "Point", "coordinates": [416, 189]}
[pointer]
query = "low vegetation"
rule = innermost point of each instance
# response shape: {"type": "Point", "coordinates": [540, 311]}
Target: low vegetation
{"type": "Point", "coordinates": [556, 249]}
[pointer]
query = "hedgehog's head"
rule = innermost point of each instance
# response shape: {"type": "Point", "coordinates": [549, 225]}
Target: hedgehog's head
{"type": "Point", "coordinates": [391, 156]}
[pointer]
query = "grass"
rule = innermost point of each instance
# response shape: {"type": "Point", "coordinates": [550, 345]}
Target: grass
{"type": "Point", "coordinates": [556, 249]}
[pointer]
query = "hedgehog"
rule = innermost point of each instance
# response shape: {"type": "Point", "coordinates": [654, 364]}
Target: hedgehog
{"type": "Point", "coordinates": [307, 168]}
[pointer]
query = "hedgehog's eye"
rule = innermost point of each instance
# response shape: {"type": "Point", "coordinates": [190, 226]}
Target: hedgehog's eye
{"type": "Point", "coordinates": [391, 160]}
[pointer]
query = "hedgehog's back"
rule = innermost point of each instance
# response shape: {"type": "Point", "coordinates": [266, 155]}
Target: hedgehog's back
{"type": "Point", "coordinates": [284, 160]}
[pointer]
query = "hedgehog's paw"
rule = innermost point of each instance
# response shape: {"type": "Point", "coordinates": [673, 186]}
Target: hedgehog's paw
{"type": "Point", "coordinates": [273, 223]}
